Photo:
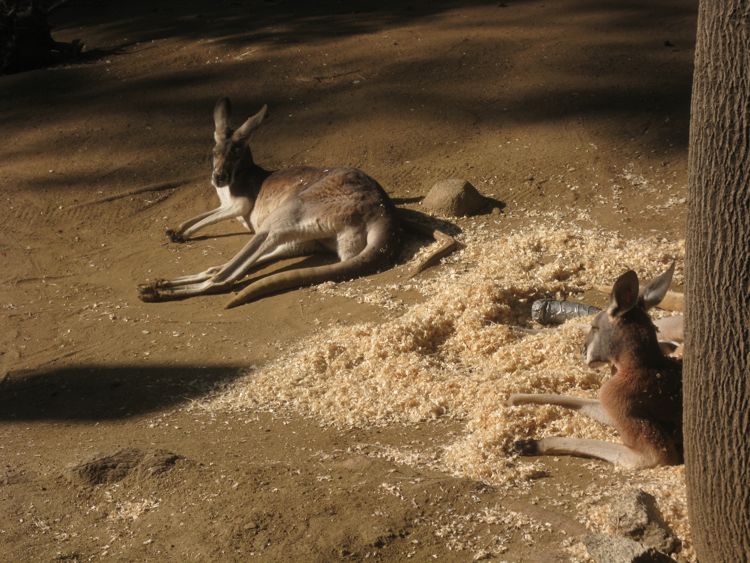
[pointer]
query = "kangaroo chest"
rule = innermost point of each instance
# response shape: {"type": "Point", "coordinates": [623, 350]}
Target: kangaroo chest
{"type": "Point", "coordinates": [225, 197]}
{"type": "Point", "coordinates": [657, 395]}
{"type": "Point", "coordinates": [228, 199]}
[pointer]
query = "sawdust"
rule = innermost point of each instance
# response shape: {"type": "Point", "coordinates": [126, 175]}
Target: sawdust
{"type": "Point", "coordinates": [458, 355]}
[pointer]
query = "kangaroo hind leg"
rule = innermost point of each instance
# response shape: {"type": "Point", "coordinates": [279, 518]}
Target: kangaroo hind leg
{"type": "Point", "coordinates": [617, 454]}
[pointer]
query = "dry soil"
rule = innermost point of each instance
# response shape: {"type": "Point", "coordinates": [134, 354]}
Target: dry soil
{"type": "Point", "coordinates": [565, 106]}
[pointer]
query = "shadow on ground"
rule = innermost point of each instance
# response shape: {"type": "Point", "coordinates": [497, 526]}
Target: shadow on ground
{"type": "Point", "coordinates": [103, 392]}
{"type": "Point", "coordinates": [629, 62]}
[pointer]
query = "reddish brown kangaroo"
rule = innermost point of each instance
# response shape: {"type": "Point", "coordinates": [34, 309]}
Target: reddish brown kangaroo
{"type": "Point", "coordinates": [643, 398]}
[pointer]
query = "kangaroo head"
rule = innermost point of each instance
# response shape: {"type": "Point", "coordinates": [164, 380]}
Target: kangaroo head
{"type": "Point", "coordinates": [231, 151]}
{"type": "Point", "coordinates": [625, 322]}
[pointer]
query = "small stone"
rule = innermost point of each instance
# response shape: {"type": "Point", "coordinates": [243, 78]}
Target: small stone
{"type": "Point", "coordinates": [455, 198]}
{"type": "Point", "coordinates": [604, 548]}
{"type": "Point", "coordinates": [635, 515]}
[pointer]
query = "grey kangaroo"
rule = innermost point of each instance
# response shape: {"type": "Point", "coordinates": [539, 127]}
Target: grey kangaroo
{"type": "Point", "coordinates": [643, 398]}
{"type": "Point", "coordinates": [292, 212]}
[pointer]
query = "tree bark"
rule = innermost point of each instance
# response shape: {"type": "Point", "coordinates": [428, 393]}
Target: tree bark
{"type": "Point", "coordinates": [717, 347]}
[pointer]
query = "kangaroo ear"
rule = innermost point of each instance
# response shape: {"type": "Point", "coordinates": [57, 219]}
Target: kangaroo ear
{"type": "Point", "coordinates": [655, 290]}
{"type": "Point", "coordinates": [222, 109]}
{"type": "Point", "coordinates": [624, 294]}
{"type": "Point", "coordinates": [244, 130]}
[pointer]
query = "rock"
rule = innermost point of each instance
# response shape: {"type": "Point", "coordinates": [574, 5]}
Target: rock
{"type": "Point", "coordinates": [106, 469]}
{"type": "Point", "coordinates": [156, 462]}
{"type": "Point", "coordinates": [635, 515]}
{"type": "Point", "coordinates": [117, 466]}
{"type": "Point", "coordinates": [616, 549]}
{"type": "Point", "coordinates": [455, 198]}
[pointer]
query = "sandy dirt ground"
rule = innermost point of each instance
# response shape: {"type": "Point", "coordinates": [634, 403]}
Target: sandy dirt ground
{"type": "Point", "coordinates": [546, 106]}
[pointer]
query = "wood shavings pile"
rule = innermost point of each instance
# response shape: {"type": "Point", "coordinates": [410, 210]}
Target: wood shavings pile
{"type": "Point", "coordinates": [458, 355]}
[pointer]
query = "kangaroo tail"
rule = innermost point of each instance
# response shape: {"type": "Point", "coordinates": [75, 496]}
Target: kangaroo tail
{"type": "Point", "coordinates": [424, 226]}
{"type": "Point", "coordinates": [379, 251]}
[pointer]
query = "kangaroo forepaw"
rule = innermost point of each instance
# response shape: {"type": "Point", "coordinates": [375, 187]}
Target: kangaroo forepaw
{"type": "Point", "coordinates": [526, 447]}
{"type": "Point", "coordinates": [174, 236]}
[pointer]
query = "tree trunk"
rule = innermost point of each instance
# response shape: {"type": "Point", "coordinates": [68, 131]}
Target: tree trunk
{"type": "Point", "coordinates": [717, 348]}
